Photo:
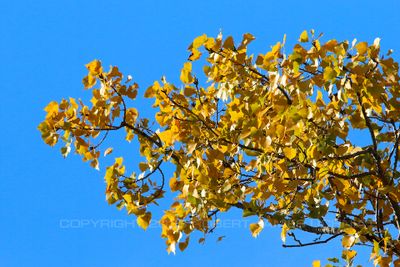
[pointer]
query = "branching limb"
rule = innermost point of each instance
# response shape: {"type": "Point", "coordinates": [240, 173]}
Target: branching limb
{"type": "Point", "coordinates": [300, 244]}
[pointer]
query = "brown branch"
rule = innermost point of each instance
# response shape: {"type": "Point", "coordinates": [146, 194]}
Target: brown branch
{"type": "Point", "coordinates": [160, 189]}
{"type": "Point", "coordinates": [381, 119]}
{"type": "Point", "coordinates": [139, 132]}
{"type": "Point", "coordinates": [311, 243]}
{"type": "Point", "coordinates": [385, 180]}
{"type": "Point", "coordinates": [318, 229]}
{"type": "Point", "coordinates": [395, 151]}
{"type": "Point", "coordinates": [150, 173]}
{"type": "Point", "coordinates": [353, 176]}
{"type": "Point", "coordinates": [101, 141]}
{"type": "Point", "coordinates": [348, 156]}
{"type": "Point", "coordinates": [191, 112]}
{"type": "Point", "coordinates": [337, 175]}
{"type": "Point", "coordinates": [373, 138]}
{"type": "Point", "coordinates": [210, 128]}
{"type": "Point", "coordinates": [123, 102]}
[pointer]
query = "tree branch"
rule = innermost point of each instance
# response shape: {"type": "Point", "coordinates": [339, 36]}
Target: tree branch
{"type": "Point", "coordinates": [310, 243]}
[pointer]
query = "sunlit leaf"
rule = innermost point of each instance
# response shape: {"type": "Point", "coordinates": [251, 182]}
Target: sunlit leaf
{"type": "Point", "coordinates": [303, 37]}
{"type": "Point", "coordinates": [144, 220]}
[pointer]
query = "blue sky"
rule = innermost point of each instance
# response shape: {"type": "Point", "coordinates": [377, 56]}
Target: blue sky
{"type": "Point", "coordinates": [53, 210]}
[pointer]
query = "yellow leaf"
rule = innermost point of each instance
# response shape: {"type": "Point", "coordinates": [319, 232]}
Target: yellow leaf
{"type": "Point", "coordinates": [131, 115]}
{"type": "Point", "coordinates": [51, 108]}
{"type": "Point", "coordinates": [132, 209]}
{"type": "Point", "coordinates": [144, 220]}
{"type": "Point", "coordinates": [118, 161]}
{"type": "Point", "coordinates": [376, 42]}
{"type": "Point", "coordinates": [362, 48]}
{"type": "Point", "coordinates": [186, 76]}
{"type": "Point", "coordinates": [209, 43]}
{"type": "Point", "coordinates": [329, 74]}
{"type": "Point", "coordinates": [304, 37]}
{"type": "Point", "coordinates": [129, 135]}
{"type": "Point", "coordinates": [166, 137]}
{"type": "Point", "coordinates": [89, 81]}
{"type": "Point", "coordinates": [108, 151]}
{"type": "Point", "coordinates": [150, 92]}
{"type": "Point", "coordinates": [284, 231]}
{"type": "Point", "coordinates": [349, 254]}
{"type": "Point", "coordinates": [128, 198]}
{"type": "Point", "coordinates": [350, 231]}
{"type": "Point", "coordinates": [256, 228]}
{"type": "Point", "coordinates": [289, 152]}
{"type": "Point", "coordinates": [94, 67]}
{"type": "Point", "coordinates": [171, 248]}
{"type": "Point", "coordinates": [109, 175]}
{"type": "Point", "coordinates": [199, 41]}
{"type": "Point", "coordinates": [316, 263]}
{"type": "Point", "coordinates": [348, 241]}
{"type": "Point", "coordinates": [174, 184]}
{"type": "Point", "coordinates": [196, 54]}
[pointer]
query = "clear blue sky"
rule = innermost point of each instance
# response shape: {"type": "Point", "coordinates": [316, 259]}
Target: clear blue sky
{"type": "Point", "coordinates": [53, 211]}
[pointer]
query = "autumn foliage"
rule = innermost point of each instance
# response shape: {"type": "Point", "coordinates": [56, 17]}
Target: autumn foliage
{"type": "Point", "coordinates": [267, 134]}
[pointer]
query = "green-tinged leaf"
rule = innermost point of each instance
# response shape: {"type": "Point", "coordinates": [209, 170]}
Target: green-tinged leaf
{"type": "Point", "coordinates": [144, 220]}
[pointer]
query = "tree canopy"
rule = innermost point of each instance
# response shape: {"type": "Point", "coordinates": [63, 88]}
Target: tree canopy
{"type": "Point", "coordinates": [268, 134]}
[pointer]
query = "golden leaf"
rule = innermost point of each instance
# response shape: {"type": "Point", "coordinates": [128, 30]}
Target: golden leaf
{"type": "Point", "coordinates": [362, 48]}
{"type": "Point", "coordinates": [256, 228]}
{"type": "Point", "coordinates": [303, 37]}
{"type": "Point", "coordinates": [196, 54]}
{"type": "Point", "coordinates": [118, 161]}
{"type": "Point", "coordinates": [51, 109]}
{"type": "Point", "coordinates": [108, 151]}
{"type": "Point", "coordinates": [329, 74]}
{"type": "Point", "coordinates": [94, 67]}
{"type": "Point", "coordinates": [186, 76]}
{"type": "Point", "coordinates": [290, 152]}
{"type": "Point", "coordinates": [285, 229]}
{"type": "Point", "coordinates": [167, 137]}
{"type": "Point", "coordinates": [89, 81]}
{"type": "Point", "coordinates": [350, 231]}
{"type": "Point", "coordinates": [199, 41]}
{"type": "Point", "coordinates": [144, 220]}
{"type": "Point", "coordinates": [349, 254]}
{"type": "Point", "coordinates": [348, 241]}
